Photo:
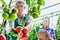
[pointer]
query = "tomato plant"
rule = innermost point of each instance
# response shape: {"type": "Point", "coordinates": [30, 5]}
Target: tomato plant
{"type": "Point", "coordinates": [32, 34]}
{"type": "Point", "coordinates": [34, 7]}
{"type": "Point", "coordinates": [58, 28]}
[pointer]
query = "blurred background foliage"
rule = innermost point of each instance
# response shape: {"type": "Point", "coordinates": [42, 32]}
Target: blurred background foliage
{"type": "Point", "coordinates": [34, 11]}
{"type": "Point", "coordinates": [58, 28]}
{"type": "Point", "coordinates": [36, 27]}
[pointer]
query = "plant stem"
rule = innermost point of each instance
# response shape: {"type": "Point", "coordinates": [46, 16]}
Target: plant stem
{"type": "Point", "coordinates": [21, 29]}
{"type": "Point", "coordinates": [9, 36]}
{"type": "Point", "coordinates": [10, 3]}
{"type": "Point", "coordinates": [19, 34]}
{"type": "Point", "coordinates": [2, 24]}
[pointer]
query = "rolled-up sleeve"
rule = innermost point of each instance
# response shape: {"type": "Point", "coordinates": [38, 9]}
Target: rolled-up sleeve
{"type": "Point", "coordinates": [29, 18]}
{"type": "Point", "coordinates": [11, 23]}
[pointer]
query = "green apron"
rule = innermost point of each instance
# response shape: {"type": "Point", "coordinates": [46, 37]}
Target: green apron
{"type": "Point", "coordinates": [24, 18]}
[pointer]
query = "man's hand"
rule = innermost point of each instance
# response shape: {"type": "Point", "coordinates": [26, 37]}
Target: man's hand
{"type": "Point", "coordinates": [29, 26]}
{"type": "Point", "coordinates": [17, 29]}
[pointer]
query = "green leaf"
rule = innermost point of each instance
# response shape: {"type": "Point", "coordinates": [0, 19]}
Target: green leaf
{"type": "Point", "coordinates": [4, 3]}
{"type": "Point", "coordinates": [38, 11]}
{"type": "Point", "coordinates": [41, 2]}
{"type": "Point", "coordinates": [2, 0]}
{"type": "Point", "coordinates": [28, 2]}
{"type": "Point", "coordinates": [13, 34]}
{"type": "Point", "coordinates": [34, 4]}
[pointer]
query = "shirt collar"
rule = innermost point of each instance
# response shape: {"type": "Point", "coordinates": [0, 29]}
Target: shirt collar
{"type": "Point", "coordinates": [22, 17]}
{"type": "Point", "coordinates": [46, 28]}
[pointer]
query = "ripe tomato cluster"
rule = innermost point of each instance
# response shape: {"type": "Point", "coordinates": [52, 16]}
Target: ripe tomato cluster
{"type": "Point", "coordinates": [23, 34]}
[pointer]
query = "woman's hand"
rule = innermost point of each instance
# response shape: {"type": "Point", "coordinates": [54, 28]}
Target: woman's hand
{"type": "Point", "coordinates": [51, 38]}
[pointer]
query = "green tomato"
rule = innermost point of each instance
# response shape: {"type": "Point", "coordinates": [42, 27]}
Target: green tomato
{"type": "Point", "coordinates": [35, 15]}
{"type": "Point", "coordinates": [6, 9]}
{"type": "Point", "coordinates": [12, 17]}
{"type": "Point", "coordinates": [41, 2]}
{"type": "Point", "coordinates": [30, 13]}
{"type": "Point", "coordinates": [5, 16]}
{"type": "Point", "coordinates": [14, 10]}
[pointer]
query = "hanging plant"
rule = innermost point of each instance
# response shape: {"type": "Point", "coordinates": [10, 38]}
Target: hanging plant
{"type": "Point", "coordinates": [34, 7]}
{"type": "Point", "coordinates": [58, 28]}
{"type": "Point", "coordinates": [32, 33]}
{"type": "Point", "coordinates": [7, 15]}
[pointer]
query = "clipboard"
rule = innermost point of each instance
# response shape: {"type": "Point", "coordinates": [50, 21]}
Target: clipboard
{"type": "Point", "coordinates": [42, 36]}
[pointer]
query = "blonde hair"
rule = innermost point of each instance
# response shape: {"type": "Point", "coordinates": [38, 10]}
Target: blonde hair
{"type": "Point", "coordinates": [47, 18]}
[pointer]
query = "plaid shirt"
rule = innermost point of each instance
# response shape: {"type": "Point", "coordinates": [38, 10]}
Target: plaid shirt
{"type": "Point", "coordinates": [50, 31]}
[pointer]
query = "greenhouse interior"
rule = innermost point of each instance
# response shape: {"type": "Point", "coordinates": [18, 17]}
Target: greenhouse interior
{"type": "Point", "coordinates": [29, 19]}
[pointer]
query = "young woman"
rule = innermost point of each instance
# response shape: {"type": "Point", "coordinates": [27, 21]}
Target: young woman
{"type": "Point", "coordinates": [50, 32]}
{"type": "Point", "coordinates": [46, 28]}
